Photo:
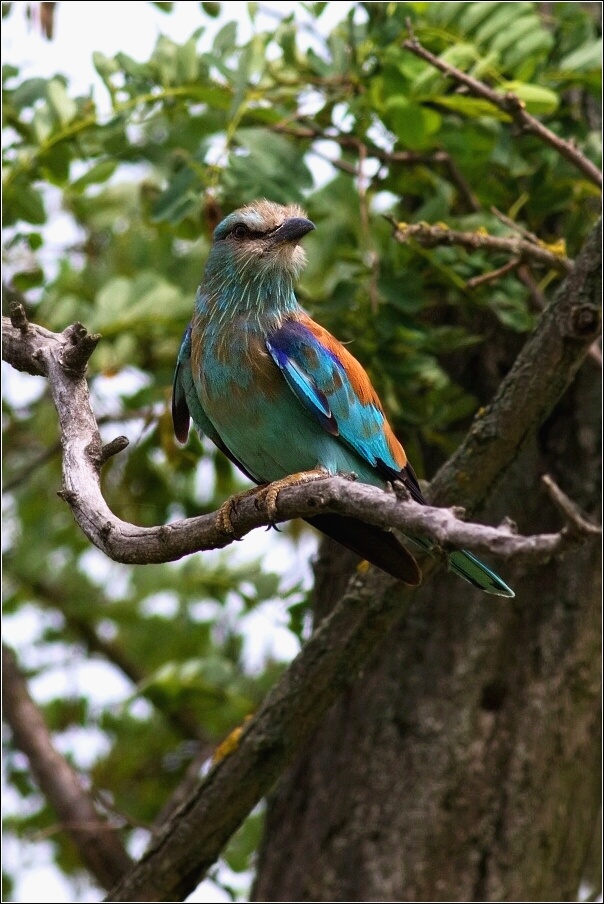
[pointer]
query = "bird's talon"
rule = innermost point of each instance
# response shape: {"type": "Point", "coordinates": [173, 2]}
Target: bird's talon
{"type": "Point", "coordinates": [223, 519]}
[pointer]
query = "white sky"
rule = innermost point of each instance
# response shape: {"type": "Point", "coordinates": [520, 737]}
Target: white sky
{"type": "Point", "coordinates": [132, 27]}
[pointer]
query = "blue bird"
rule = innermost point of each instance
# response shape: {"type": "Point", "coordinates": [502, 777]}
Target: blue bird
{"type": "Point", "coordinates": [281, 397]}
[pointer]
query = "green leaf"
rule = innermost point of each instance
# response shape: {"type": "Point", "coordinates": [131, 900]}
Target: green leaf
{"type": "Point", "coordinates": [63, 106]}
{"type": "Point", "coordinates": [502, 19]}
{"type": "Point", "coordinates": [538, 100]}
{"type": "Point", "coordinates": [173, 204]}
{"type": "Point", "coordinates": [532, 45]}
{"type": "Point", "coordinates": [586, 58]}
{"type": "Point", "coordinates": [226, 39]}
{"type": "Point", "coordinates": [186, 63]}
{"type": "Point", "coordinates": [472, 107]}
{"type": "Point", "coordinates": [54, 163]}
{"type": "Point", "coordinates": [211, 8]}
{"type": "Point", "coordinates": [412, 123]}
{"type": "Point", "coordinates": [43, 123]}
{"type": "Point", "coordinates": [517, 30]}
{"type": "Point", "coordinates": [28, 92]}
{"type": "Point", "coordinates": [267, 165]}
{"type": "Point", "coordinates": [129, 304]}
{"type": "Point", "coordinates": [474, 14]}
{"type": "Point", "coordinates": [100, 172]}
{"type": "Point", "coordinates": [23, 202]}
{"type": "Point", "coordinates": [242, 846]}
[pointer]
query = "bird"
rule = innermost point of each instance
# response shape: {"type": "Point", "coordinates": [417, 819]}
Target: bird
{"type": "Point", "coordinates": [282, 398]}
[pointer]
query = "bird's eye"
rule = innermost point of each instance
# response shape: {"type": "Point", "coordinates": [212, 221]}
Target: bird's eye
{"type": "Point", "coordinates": [240, 231]}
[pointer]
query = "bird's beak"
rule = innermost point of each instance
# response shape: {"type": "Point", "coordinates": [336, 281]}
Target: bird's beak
{"type": "Point", "coordinates": [291, 230]}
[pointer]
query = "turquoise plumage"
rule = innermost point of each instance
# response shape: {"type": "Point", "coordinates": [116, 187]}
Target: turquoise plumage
{"type": "Point", "coordinates": [279, 395]}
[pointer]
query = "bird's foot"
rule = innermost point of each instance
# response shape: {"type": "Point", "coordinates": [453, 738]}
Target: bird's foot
{"type": "Point", "coordinates": [224, 521]}
{"type": "Point", "coordinates": [270, 493]}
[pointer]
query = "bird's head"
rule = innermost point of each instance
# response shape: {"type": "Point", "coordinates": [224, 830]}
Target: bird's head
{"type": "Point", "coordinates": [259, 242]}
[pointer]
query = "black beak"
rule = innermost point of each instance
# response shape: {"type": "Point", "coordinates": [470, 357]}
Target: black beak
{"type": "Point", "coordinates": [291, 230]}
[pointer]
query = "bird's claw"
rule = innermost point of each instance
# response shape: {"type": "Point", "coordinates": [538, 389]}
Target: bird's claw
{"type": "Point", "coordinates": [270, 494]}
{"type": "Point", "coordinates": [266, 496]}
{"type": "Point", "coordinates": [224, 521]}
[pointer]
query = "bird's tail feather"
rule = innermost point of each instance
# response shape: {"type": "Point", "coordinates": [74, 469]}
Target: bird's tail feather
{"type": "Point", "coordinates": [380, 547]}
{"type": "Point", "coordinates": [467, 566]}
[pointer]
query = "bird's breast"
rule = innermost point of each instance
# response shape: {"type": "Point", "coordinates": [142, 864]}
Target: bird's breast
{"type": "Point", "coordinates": [232, 369]}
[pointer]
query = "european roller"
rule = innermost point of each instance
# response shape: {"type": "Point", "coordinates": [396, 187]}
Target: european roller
{"type": "Point", "coordinates": [281, 397]}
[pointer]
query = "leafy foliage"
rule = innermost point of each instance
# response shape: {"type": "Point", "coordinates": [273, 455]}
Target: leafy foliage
{"type": "Point", "coordinates": [141, 177]}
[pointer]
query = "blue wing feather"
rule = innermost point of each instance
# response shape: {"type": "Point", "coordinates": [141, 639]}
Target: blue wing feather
{"type": "Point", "coordinates": [320, 382]}
{"type": "Point", "coordinates": [302, 383]}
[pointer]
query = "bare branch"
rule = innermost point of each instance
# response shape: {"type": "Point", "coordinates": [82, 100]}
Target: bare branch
{"type": "Point", "coordinates": [97, 841]}
{"type": "Point", "coordinates": [430, 236]}
{"type": "Point", "coordinates": [510, 104]}
{"type": "Point", "coordinates": [516, 227]}
{"type": "Point", "coordinates": [492, 275]}
{"type": "Point", "coordinates": [575, 518]}
{"type": "Point", "coordinates": [124, 542]}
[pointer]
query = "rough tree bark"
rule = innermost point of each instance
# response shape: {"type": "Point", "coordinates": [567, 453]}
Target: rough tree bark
{"type": "Point", "coordinates": [465, 764]}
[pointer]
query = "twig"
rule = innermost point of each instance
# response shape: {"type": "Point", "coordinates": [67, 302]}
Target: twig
{"type": "Point", "coordinates": [48, 454]}
{"type": "Point", "coordinates": [508, 103]}
{"type": "Point", "coordinates": [97, 842]}
{"type": "Point", "coordinates": [576, 521]}
{"type": "Point", "coordinates": [26, 472]}
{"type": "Point", "coordinates": [430, 236]}
{"type": "Point", "coordinates": [542, 371]}
{"type": "Point", "coordinates": [537, 296]}
{"type": "Point", "coordinates": [388, 158]}
{"type": "Point", "coordinates": [516, 227]}
{"type": "Point", "coordinates": [492, 275]}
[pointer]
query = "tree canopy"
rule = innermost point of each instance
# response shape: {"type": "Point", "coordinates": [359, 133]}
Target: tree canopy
{"type": "Point", "coordinates": [446, 222]}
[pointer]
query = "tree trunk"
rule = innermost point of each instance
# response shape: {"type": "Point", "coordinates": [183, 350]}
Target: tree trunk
{"type": "Point", "coordinates": [465, 763]}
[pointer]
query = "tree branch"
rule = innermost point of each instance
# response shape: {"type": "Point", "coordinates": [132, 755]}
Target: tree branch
{"type": "Point", "coordinates": [542, 371]}
{"type": "Point", "coordinates": [346, 141]}
{"type": "Point", "coordinates": [329, 662]}
{"type": "Point", "coordinates": [430, 236]}
{"type": "Point", "coordinates": [83, 456]}
{"type": "Point", "coordinates": [97, 841]}
{"type": "Point", "coordinates": [182, 721]}
{"type": "Point", "coordinates": [510, 104]}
